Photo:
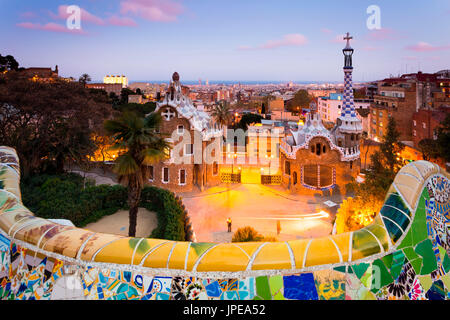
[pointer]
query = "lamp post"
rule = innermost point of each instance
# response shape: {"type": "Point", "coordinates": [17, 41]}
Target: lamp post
{"type": "Point", "coordinates": [234, 156]}
{"type": "Point", "coordinates": [270, 161]}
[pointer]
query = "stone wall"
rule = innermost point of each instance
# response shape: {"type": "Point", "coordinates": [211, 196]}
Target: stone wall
{"type": "Point", "coordinates": [403, 254]}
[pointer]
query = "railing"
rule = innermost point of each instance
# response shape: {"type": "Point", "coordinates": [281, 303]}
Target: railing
{"type": "Point", "coordinates": [390, 258]}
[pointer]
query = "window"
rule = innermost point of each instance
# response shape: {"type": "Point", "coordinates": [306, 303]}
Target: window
{"type": "Point", "coordinates": [180, 129]}
{"type": "Point", "coordinates": [188, 149]}
{"type": "Point", "coordinates": [215, 168]}
{"type": "Point", "coordinates": [414, 123]}
{"type": "Point", "coordinates": [165, 176]}
{"type": "Point", "coordinates": [324, 149]}
{"type": "Point", "coordinates": [318, 149]}
{"type": "Point", "coordinates": [287, 167]}
{"type": "Point", "coordinates": [182, 177]}
{"type": "Point", "coordinates": [294, 178]}
{"type": "Point", "coordinates": [414, 133]}
{"type": "Point", "coordinates": [150, 173]}
{"type": "Point", "coordinates": [424, 125]}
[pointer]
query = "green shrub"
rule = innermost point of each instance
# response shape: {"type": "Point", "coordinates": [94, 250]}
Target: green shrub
{"type": "Point", "coordinates": [70, 197]}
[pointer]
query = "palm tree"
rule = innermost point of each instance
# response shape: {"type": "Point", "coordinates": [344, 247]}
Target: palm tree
{"type": "Point", "coordinates": [85, 78]}
{"type": "Point", "coordinates": [143, 146]}
{"type": "Point", "coordinates": [222, 114]}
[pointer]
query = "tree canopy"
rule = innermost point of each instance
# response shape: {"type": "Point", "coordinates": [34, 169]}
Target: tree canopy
{"type": "Point", "coordinates": [248, 119]}
{"type": "Point", "coordinates": [301, 99]}
{"type": "Point", "coordinates": [8, 63]}
{"type": "Point", "coordinates": [47, 123]}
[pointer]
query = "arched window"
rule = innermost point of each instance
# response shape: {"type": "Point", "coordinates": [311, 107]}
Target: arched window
{"type": "Point", "coordinates": [324, 149]}
{"type": "Point", "coordinates": [318, 149]}
{"type": "Point", "coordinates": [287, 167]}
{"type": "Point", "coordinates": [215, 168]}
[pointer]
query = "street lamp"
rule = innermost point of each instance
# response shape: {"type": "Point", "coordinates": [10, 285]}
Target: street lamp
{"type": "Point", "coordinates": [270, 160]}
{"type": "Point", "coordinates": [234, 155]}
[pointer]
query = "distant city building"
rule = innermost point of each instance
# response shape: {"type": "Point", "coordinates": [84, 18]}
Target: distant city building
{"type": "Point", "coordinates": [330, 107]}
{"type": "Point", "coordinates": [108, 87]}
{"type": "Point", "coordinates": [425, 123]}
{"type": "Point", "coordinates": [401, 97]}
{"type": "Point", "coordinates": [40, 74]}
{"type": "Point", "coordinates": [116, 79]}
{"type": "Point", "coordinates": [315, 158]}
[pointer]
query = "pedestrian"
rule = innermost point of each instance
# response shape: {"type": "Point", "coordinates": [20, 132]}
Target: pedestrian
{"type": "Point", "coordinates": [229, 224]}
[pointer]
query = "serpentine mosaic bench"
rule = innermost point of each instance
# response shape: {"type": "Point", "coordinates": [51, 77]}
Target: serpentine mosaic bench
{"type": "Point", "coordinates": [403, 254]}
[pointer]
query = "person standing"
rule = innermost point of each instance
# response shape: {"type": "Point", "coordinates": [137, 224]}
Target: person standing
{"type": "Point", "coordinates": [229, 224]}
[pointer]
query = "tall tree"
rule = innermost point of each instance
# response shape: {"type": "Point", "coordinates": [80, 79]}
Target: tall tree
{"type": "Point", "coordinates": [385, 164]}
{"type": "Point", "coordinates": [8, 63]}
{"type": "Point", "coordinates": [47, 123]}
{"type": "Point", "coordinates": [248, 119]}
{"type": "Point", "coordinates": [144, 146]}
{"type": "Point", "coordinates": [443, 138]}
{"type": "Point", "coordinates": [221, 112]}
{"type": "Point", "coordinates": [301, 100]}
{"type": "Point", "coordinates": [85, 78]}
{"type": "Point", "coordinates": [429, 149]}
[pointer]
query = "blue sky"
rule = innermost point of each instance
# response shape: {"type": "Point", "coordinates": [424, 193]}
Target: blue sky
{"type": "Point", "coordinates": [283, 40]}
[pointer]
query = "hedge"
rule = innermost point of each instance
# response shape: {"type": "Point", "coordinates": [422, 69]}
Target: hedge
{"type": "Point", "coordinates": [69, 196]}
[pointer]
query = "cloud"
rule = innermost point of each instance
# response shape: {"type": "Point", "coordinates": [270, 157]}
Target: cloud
{"type": "Point", "coordinates": [53, 27]}
{"type": "Point", "coordinates": [288, 40]}
{"type": "Point", "coordinates": [426, 47]}
{"type": "Point", "coordinates": [153, 10]}
{"type": "Point", "coordinates": [85, 16]}
{"type": "Point", "coordinates": [325, 30]}
{"type": "Point", "coordinates": [121, 21]}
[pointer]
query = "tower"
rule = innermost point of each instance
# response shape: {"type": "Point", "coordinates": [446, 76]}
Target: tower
{"type": "Point", "coordinates": [348, 126]}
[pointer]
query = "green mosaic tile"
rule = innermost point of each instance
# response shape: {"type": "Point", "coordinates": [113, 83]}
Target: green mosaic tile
{"type": "Point", "coordinates": [446, 264]}
{"type": "Point", "coordinates": [380, 276]}
{"type": "Point", "coordinates": [364, 241]}
{"type": "Point", "coordinates": [407, 240]}
{"type": "Point", "coordinates": [275, 284]}
{"type": "Point", "coordinates": [262, 288]}
{"type": "Point", "coordinates": [419, 226]}
{"type": "Point", "coordinates": [394, 232]}
{"type": "Point", "coordinates": [417, 264]}
{"type": "Point", "coordinates": [396, 201]}
{"type": "Point", "coordinates": [446, 280]}
{"type": "Point", "coordinates": [387, 260]}
{"type": "Point", "coordinates": [425, 250]}
{"type": "Point", "coordinates": [366, 279]}
{"type": "Point", "coordinates": [360, 269]}
{"type": "Point", "coordinates": [410, 253]}
{"type": "Point", "coordinates": [340, 269]}
{"type": "Point", "coordinates": [397, 263]}
{"type": "Point", "coordinates": [395, 215]}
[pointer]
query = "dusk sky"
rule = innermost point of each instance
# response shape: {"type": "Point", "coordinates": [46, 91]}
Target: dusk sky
{"type": "Point", "coordinates": [227, 40]}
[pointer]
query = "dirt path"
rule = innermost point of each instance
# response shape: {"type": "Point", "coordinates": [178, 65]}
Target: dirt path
{"type": "Point", "coordinates": [117, 223]}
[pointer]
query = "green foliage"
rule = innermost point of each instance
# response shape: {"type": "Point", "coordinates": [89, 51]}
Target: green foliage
{"type": "Point", "coordinates": [140, 109]}
{"type": "Point", "coordinates": [249, 234]}
{"type": "Point", "coordinates": [443, 139]}
{"type": "Point", "coordinates": [429, 148]}
{"type": "Point", "coordinates": [69, 196]}
{"type": "Point", "coordinates": [301, 99]}
{"type": "Point", "coordinates": [248, 119]}
{"type": "Point", "coordinates": [8, 63]}
{"type": "Point", "coordinates": [385, 164]}
{"type": "Point", "coordinates": [171, 214]}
